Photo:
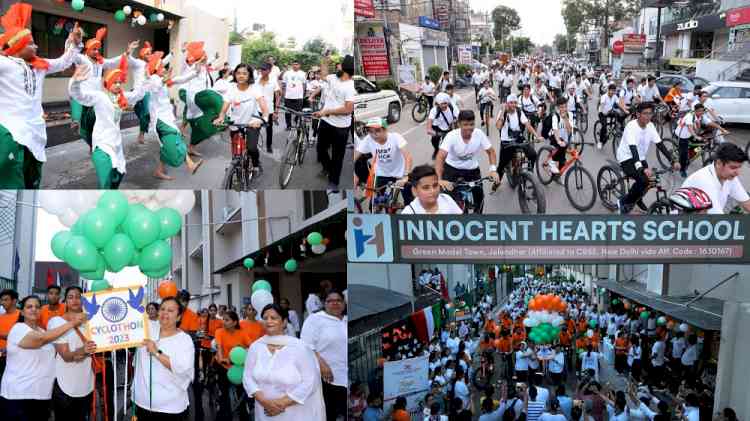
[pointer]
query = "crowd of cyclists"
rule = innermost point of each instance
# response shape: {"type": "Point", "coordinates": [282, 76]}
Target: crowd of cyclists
{"type": "Point", "coordinates": [535, 99]}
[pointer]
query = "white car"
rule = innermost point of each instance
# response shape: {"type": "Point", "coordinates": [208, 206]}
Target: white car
{"type": "Point", "coordinates": [372, 102]}
{"type": "Point", "coordinates": [731, 100]}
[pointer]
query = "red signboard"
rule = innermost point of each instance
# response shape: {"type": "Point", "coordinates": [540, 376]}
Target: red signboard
{"type": "Point", "coordinates": [738, 17]}
{"type": "Point", "coordinates": [618, 47]}
{"type": "Point", "coordinates": [374, 56]}
{"type": "Point", "coordinates": [634, 43]}
{"type": "Point", "coordinates": [364, 8]}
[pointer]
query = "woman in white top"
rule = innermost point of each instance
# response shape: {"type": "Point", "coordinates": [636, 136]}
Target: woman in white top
{"type": "Point", "coordinates": [164, 368]}
{"type": "Point", "coordinates": [426, 189]}
{"type": "Point", "coordinates": [325, 332]}
{"type": "Point", "coordinates": [634, 357]}
{"type": "Point", "coordinates": [522, 362]}
{"type": "Point", "coordinates": [590, 361]}
{"type": "Point", "coordinates": [30, 365]}
{"type": "Point", "coordinates": [247, 108]}
{"type": "Point", "coordinates": [282, 373]}
{"type": "Point", "coordinates": [74, 376]}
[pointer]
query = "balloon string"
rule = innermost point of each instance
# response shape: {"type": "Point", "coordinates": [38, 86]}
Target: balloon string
{"type": "Point", "coordinates": [114, 383]}
{"type": "Point", "coordinates": [125, 387]}
{"type": "Point", "coordinates": [104, 383]}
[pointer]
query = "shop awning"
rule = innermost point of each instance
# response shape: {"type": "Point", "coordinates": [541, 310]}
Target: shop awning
{"type": "Point", "coordinates": [115, 5]}
{"type": "Point", "coordinates": [368, 300]}
{"type": "Point", "coordinates": [281, 250]}
{"type": "Point", "coordinates": [704, 313]}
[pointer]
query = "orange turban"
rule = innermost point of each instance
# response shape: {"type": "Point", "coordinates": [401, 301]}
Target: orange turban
{"type": "Point", "coordinates": [145, 51]}
{"type": "Point", "coordinates": [16, 35]}
{"type": "Point", "coordinates": [96, 42]}
{"type": "Point", "coordinates": [119, 74]}
{"type": "Point", "coordinates": [195, 52]}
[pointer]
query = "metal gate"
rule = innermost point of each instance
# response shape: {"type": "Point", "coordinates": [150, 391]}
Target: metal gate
{"type": "Point", "coordinates": [364, 352]}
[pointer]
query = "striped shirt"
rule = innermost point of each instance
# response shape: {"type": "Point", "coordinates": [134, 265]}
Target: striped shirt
{"type": "Point", "coordinates": [535, 410]}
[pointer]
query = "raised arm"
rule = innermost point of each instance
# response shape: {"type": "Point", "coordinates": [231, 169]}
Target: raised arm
{"type": "Point", "coordinates": [70, 56]}
{"type": "Point", "coordinates": [36, 340]}
{"type": "Point", "coordinates": [87, 98]}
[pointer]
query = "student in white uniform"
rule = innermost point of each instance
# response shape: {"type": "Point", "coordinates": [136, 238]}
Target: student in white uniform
{"type": "Point", "coordinates": [108, 154]}
{"type": "Point", "coordinates": [173, 151]}
{"type": "Point", "coordinates": [294, 91]}
{"type": "Point", "coordinates": [325, 332]}
{"type": "Point", "coordinates": [272, 92]}
{"type": "Point", "coordinates": [391, 159]}
{"type": "Point", "coordinates": [282, 374]}
{"type": "Point", "coordinates": [23, 130]}
{"type": "Point", "coordinates": [428, 90]}
{"type": "Point", "coordinates": [440, 121]}
{"type": "Point", "coordinates": [720, 179]}
{"type": "Point", "coordinates": [164, 368]}
{"type": "Point", "coordinates": [245, 106]}
{"type": "Point", "coordinates": [607, 108]}
{"type": "Point", "coordinates": [74, 376]}
{"type": "Point", "coordinates": [426, 188]}
{"type": "Point", "coordinates": [30, 368]}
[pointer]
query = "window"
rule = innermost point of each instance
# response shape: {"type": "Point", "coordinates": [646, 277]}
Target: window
{"type": "Point", "coordinates": [51, 31]}
{"type": "Point", "coordinates": [315, 202]}
{"type": "Point", "coordinates": [363, 87]}
{"type": "Point", "coordinates": [746, 93]}
{"type": "Point", "coordinates": [728, 92]}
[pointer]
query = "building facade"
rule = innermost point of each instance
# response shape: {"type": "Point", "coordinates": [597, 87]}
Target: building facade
{"type": "Point", "coordinates": [17, 247]}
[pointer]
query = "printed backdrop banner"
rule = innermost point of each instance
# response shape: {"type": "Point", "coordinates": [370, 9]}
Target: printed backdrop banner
{"type": "Point", "coordinates": [116, 318]}
{"type": "Point", "coordinates": [512, 239]}
{"type": "Point", "coordinates": [408, 378]}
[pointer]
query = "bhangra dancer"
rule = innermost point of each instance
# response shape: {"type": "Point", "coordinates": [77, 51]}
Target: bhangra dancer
{"type": "Point", "coordinates": [141, 107]}
{"type": "Point", "coordinates": [203, 103]}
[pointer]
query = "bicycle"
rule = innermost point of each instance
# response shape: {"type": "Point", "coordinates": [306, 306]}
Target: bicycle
{"type": "Point", "coordinates": [702, 149]}
{"type": "Point", "coordinates": [582, 120]}
{"type": "Point", "coordinates": [613, 185]}
{"type": "Point", "coordinates": [384, 199]}
{"type": "Point", "coordinates": [420, 109]}
{"type": "Point", "coordinates": [463, 194]}
{"type": "Point", "coordinates": [239, 175]}
{"type": "Point", "coordinates": [577, 178]}
{"type": "Point", "coordinates": [520, 178]}
{"type": "Point", "coordinates": [487, 117]}
{"type": "Point", "coordinates": [614, 131]}
{"type": "Point", "coordinates": [296, 145]}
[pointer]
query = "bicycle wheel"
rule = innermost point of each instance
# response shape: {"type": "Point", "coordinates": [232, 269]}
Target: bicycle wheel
{"type": "Point", "coordinates": [610, 186]}
{"type": "Point", "coordinates": [234, 179]}
{"type": "Point", "coordinates": [614, 137]}
{"type": "Point", "coordinates": [661, 207]}
{"type": "Point", "coordinates": [302, 148]}
{"type": "Point", "coordinates": [579, 187]}
{"type": "Point", "coordinates": [486, 118]}
{"type": "Point", "coordinates": [597, 129]}
{"type": "Point", "coordinates": [531, 194]}
{"type": "Point", "coordinates": [419, 111]}
{"type": "Point", "coordinates": [544, 156]}
{"type": "Point", "coordinates": [577, 141]}
{"type": "Point", "coordinates": [288, 162]}
{"type": "Point", "coordinates": [666, 161]}
{"type": "Point", "coordinates": [584, 122]}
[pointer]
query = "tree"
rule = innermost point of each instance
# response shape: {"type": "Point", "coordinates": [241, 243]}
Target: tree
{"type": "Point", "coordinates": [506, 20]}
{"type": "Point", "coordinates": [522, 45]}
{"type": "Point", "coordinates": [256, 50]}
{"type": "Point", "coordinates": [580, 15]}
{"type": "Point", "coordinates": [547, 49]}
{"type": "Point", "coordinates": [236, 38]}
{"type": "Point", "coordinates": [318, 46]}
{"type": "Point", "coordinates": [564, 44]}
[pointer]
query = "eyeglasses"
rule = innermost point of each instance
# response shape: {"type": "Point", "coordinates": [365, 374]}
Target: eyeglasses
{"type": "Point", "coordinates": [334, 301]}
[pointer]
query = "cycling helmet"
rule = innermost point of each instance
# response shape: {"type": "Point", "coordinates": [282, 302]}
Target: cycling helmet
{"type": "Point", "coordinates": [691, 199]}
{"type": "Point", "coordinates": [442, 98]}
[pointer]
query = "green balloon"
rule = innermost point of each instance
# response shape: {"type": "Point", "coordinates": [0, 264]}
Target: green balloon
{"type": "Point", "coordinates": [58, 243]}
{"type": "Point", "coordinates": [234, 374]}
{"type": "Point", "coordinates": [101, 267]}
{"type": "Point", "coordinates": [314, 238]}
{"type": "Point", "coordinates": [80, 254]}
{"type": "Point", "coordinates": [112, 201]}
{"type": "Point", "coordinates": [161, 273]}
{"type": "Point", "coordinates": [592, 323]}
{"type": "Point", "coordinates": [133, 210]}
{"type": "Point", "coordinates": [170, 222]}
{"type": "Point", "coordinates": [143, 228]}
{"type": "Point", "coordinates": [261, 284]}
{"type": "Point", "coordinates": [120, 16]}
{"type": "Point", "coordinates": [136, 258]}
{"type": "Point", "coordinates": [77, 228]}
{"type": "Point", "coordinates": [237, 355]}
{"type": "Point", "coordinates": [100, 285]}
{"type": "Point", "coordinates": [78, 5]}
{"type": "Point", "coordinates": [248, 263]}
{"type": "Point", "coordinates": [644, 315]}
{"type": "Point", "coordinates": [290, 265]}
{"type": "Point", "coordinates": [99, 227]}
{"type": "Point", "coordinates": [118, 252]}
{"type": "Point", "coordinates": [155, 256]}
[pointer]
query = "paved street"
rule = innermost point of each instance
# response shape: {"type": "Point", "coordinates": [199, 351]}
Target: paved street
{"type": "Point", "coordinates": [69, 166]}
{"type": "Point", "coordinates": [505, 200]}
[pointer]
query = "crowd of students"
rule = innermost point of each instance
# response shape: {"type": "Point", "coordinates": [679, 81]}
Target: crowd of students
{"type": "Point", "coordinates": [295, 368]}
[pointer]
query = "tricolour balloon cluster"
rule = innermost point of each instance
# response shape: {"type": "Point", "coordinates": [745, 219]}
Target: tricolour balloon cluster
{"type": "Point", "coordinates": [110, 233]}
{"type": "Point", "coordinates": [237, 356]}
{"type": "Point", "coordinates": [261, 295]}
{"type": "Point", "coordinates": [544, 318]}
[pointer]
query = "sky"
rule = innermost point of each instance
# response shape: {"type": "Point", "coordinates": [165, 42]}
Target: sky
{"type": "Point", "coordinates": [541, 20]}
{"type": "Point", "coordinates": [302, 19]}
{"type": "Point", "coordinates": [48, 225]}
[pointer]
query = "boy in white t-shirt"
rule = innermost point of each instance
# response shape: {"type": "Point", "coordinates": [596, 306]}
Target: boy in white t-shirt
{"type": "Point", "coordinates": [720, 180]}
{"type": "Point", "coordinates": [429, 200]}
{"type": "Point", "coordinates": [391, 160]}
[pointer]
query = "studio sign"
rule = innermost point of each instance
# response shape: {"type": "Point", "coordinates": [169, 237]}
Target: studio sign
{"type": "Point", "coordinates": [684, 26]}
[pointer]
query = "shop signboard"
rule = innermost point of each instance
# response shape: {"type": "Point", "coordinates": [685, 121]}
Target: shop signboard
{"type": "Point", "coordinates": [465, 54]}
{"type": "Point", "coordinates": [374, 54]}
{"type": "Point", "coordinates": [684, 26]}
{"type": "Point", "coordinates": [408, 378]}
{"type": "Point", "coordinates": [428, 22]}
{"type": "Point", "coordinates": [550, 238]}
{"type": "Point", "coordinates": [738, 17]}
{"type": "Point", "coordinates": [364, 8]}
{"type": "Point", "coordinates": [634, 43]}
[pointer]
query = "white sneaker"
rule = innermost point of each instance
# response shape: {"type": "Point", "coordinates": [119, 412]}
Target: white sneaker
{"type": "Point", "coordinates": [599, 145]}
{"type": "Point", "coordinates": [553, 167]}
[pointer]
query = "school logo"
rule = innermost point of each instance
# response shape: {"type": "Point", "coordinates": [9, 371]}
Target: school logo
{"type": "Point", "coordinates": [369, 238]}
{"type": "Point", "coordinates": [114, 309]}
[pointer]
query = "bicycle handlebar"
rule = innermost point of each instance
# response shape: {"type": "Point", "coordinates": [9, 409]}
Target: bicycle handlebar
{"type": "Point", "coordinates": [462, 183]}
{"type": "Point", "coordinates": [296, 113]}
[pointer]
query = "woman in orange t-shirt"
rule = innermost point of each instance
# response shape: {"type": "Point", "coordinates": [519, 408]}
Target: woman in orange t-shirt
{"type": "Point", "coordinates": [227, 338]}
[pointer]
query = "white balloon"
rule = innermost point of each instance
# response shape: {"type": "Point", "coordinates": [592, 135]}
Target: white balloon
{"type": "Point", "coordinates": [81, 201]}
{"type": "Point", "coordinates": [184, 201]}
{"type": "Point", "coordinates": [165, 196]}
{"type": "Point", "coordinates": [68, 218]}
{"type": "Point", "coordinates": [152, 205]}
{"type": "Point", "coordinates": [54, 202]}
{"type": "Point", "coordinates": [589, 333]}
{"type": "Point", "coordinates": [684, 327]}
{"type": "Point", "coordinates": [260, 299]}
{"type": "Point", "coordinates": [141, 20]}
{"type": "Point", "coordinates": [160, 17]}
{"type": "Point", "coordinates": [128, 10]}
{"type": "Point", "coordinates": [319, 248]}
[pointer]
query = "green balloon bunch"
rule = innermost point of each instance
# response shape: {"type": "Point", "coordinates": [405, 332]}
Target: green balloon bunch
{"type": "Point", "coordinates": [237, 355]}
{"type": "Point", "coordinates": [116, 234]}
{"type": "Point", "coordinates": [645, 314]}
{"type": "Point", "coordinates": [545, 333]}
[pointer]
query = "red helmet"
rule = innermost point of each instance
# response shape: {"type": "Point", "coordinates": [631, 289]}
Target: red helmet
{"type": "Point", "coordinates": [691, 199]}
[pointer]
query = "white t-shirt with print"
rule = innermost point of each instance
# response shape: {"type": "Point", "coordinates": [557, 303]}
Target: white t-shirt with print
{"type": "Point", "coordinates": [389, 159]}
{"type": "Point", "coordinates": [76, 379]}
{"type": "Point", "coordinates": [511, 122]}
{"type": "Point", "coordinates": [336, 95]}
{"type": "Point", "coordinates": [443, 119]}
{"type": "Point", "coordinates": [268, 90]}
{"type": "Point", "coordinates": [446, 206]}
{"type": "Point", "coordinates": [461, 154]}
{"type": "Point", "coordinates": [295, 84]}
{"type": "Point", "coordinates": [707, 180]}
{"type": "Point", "coordinates": [29, 373]}
{"type": "Point", "coordinates": [641, 138]}
{"type": "Point", "coordinates": [243, 105]}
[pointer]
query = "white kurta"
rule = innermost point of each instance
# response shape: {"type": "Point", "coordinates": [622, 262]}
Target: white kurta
{"type": "Point", "coordinates": [21, 100]}
{"type": "Point", "coordinates": [292, 371]}
{"type": "Point", "coordinates": [97, 70]}
{"type": "Point", "coordinates": [160, 106]}
{"type": "Point", "coordinates": [106, 135]}
{"type": "Point", "coordinates": [197, 84]}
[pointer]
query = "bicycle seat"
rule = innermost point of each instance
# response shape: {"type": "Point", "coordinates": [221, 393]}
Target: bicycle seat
{"type": "Point", "coordinates": [691, 199]}
{"type": "Point", "coordinates": [307, 110]}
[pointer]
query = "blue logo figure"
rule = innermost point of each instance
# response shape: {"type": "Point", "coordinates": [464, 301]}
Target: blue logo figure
{"type": "Point", "coordinates": [136, 301]}
{"type": "Point", "coordinates": [361, 239]}
{"type": "Point", "coordinates": [91, 307]}
{"type": "Point", "coordinates": [114, 309]}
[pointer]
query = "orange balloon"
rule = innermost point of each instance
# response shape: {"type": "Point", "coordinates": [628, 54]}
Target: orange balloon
{"type": "Point", "coordinates": [325, 241]}
{"type": "Point", "coordinates": [167, 289]}
{"type": "Point", "coordinates": [532, 304]}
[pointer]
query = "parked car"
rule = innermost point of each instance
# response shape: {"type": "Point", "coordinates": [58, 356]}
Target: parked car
{"type": "Point", "coordinates": [744, 75]}
{"type": "Point", "coordinates": [665, 82]}
{"type": "Point", "coordinates": [731, 100]}
{"type": "Point", "coordinates": [372, 102]}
